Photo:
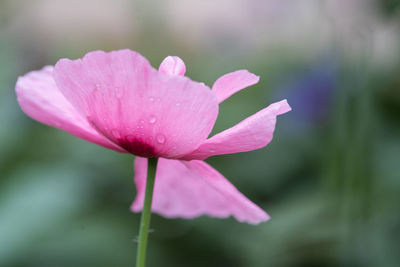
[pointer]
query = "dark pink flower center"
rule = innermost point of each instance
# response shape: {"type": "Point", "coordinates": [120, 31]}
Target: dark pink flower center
{"type": "Point", "coordinates": [136, 147]}
{"type": "Point", "coordinates": [130, 143]}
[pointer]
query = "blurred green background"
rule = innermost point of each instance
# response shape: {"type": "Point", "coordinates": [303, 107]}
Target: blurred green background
{"type": "Point", "coordinates": [330, 179]}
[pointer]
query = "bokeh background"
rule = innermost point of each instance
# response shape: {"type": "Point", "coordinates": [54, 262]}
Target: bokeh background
{"type": "Point", "coordinates": [330, 179]}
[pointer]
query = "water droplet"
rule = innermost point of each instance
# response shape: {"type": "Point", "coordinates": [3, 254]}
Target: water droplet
{"type": "Point", "coordinates": [160, 138]}
{"type": "Point", "coordinates": [178, 104]}
{"type": "Point", "coordinates": [152, 119]}
{"type": "Point", "coordinates": [130, 138]}
{"type": "Point", "coordinates": [142, 121]}
{"type": "Point", "coordinates": [158, 99]}
{"type": "Point", "coordinates": [151, 99]}
{"type": "Point", "coordinates": [212, 150]}
{"type": "Point", "coordinates": [115, 133]}
{"type": "Point", "coordinates": [119, 92]}
{"type": "Point", "coordinates": [96, 93]}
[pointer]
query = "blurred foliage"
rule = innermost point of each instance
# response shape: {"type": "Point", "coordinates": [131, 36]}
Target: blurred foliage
{"type": "Point", "coordinates": [390, 7]}
{"type": "Point", "coordinates": [330, 179]}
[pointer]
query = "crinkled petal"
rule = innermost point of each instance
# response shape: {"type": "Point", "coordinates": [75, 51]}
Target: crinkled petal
{"type": "Point", "coordinates": [233, 82]}
{"type": "Point", "coordinates": [188, 189]}
{"type": "Point", "coordinates": [252, 133]}
{"type": "Point", "coordinates": [146, 112]}
{"type": "Point", "coordinates": [40, 98]}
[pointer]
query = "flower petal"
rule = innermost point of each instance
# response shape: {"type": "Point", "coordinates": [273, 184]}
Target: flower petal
{"type": "Point", "coordinates": [146, 112]}
{"type": "Point", "coordinates": [173, 66]}
{"type": "Point", "coordinates": [191, 189]}
{"type": "Point", "coordinates": [252, 133]}
{"type": "Point", "coordinates": [40, 98]}
{"type": "Point", "coordinates": [233, 82]}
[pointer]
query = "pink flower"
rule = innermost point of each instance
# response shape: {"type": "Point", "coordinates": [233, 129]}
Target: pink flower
{"type": "Point", "coordinates": [119, 101]}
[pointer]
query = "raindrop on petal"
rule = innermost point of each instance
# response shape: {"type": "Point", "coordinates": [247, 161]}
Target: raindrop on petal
{"type": "Point", "coordinates": [130, 138]}
{"type": "Point", "coordinates": [152, 119]}
{"type": "Point", "coordinates": [97, 93]}
{"type": "Point", "coordinates": [160, 138]}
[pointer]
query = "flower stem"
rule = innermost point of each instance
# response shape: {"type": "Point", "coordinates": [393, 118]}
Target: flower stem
{"type": "Point", "coordinates": [146, 212]}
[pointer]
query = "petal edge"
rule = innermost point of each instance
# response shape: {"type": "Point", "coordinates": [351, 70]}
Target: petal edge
{"type": "Point", "coordinates": [252, 133]}
{"type": "Point", "coordinates": [190, 189]}
{"type": "Point", "coordinates": [39, 97]}
{"type": "Point", "coordinates": [232, 82]}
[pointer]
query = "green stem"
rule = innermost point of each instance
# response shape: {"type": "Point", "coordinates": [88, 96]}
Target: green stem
{"type": "Point", "coordinates": [146, 212]}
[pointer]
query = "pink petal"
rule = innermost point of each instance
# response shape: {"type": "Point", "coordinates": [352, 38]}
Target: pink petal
{"type": "Point", "coordinates": [252, 133]}
{"type": "Point", "coordinates": [173, 66]}
{"type": "Point", "coordinates": [142, 110]}
{"type": "Point", "coordinates": [40, 98]}
{"type": "Point", "coordinates": [233, 82]}
{"type": "Point", "coordinates": [189, 189]}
